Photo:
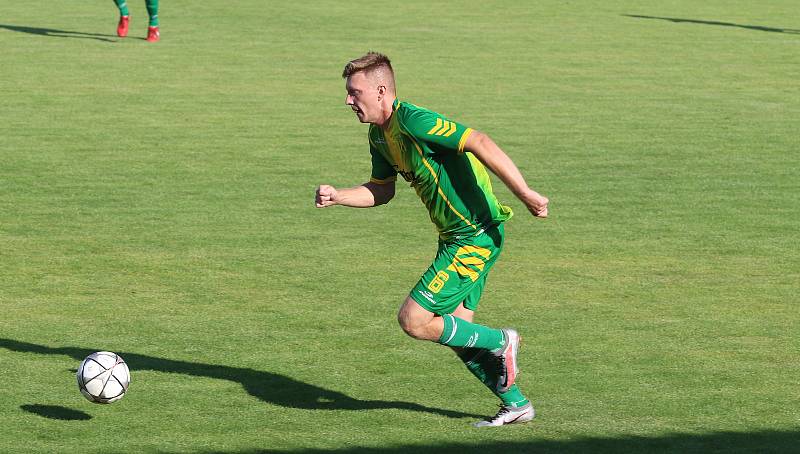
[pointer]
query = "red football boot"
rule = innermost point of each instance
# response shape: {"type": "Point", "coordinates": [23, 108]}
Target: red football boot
{"type": "Point", "coordinates": [122, 26]}
{"type": "Point", "coordinates": [152, 34]}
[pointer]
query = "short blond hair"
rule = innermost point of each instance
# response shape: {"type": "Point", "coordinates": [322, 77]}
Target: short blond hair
{"type": "Point", "coordinates": [374, 65]}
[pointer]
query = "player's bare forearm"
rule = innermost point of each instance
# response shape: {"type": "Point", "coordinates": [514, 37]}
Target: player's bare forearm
{"type": "Point", "coordinates": [363, 196]}
{"type": "Point", "coordinates": [487, 151]}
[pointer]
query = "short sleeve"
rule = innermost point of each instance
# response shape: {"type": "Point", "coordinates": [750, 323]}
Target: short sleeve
{"type": "Point", "coordinates": [432, 127]}
{"type": "Point", "coordinates": [382, 171]}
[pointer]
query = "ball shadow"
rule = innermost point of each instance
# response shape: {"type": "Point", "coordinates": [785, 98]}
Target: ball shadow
{"type": "Point", "coordinates": [56, 412]}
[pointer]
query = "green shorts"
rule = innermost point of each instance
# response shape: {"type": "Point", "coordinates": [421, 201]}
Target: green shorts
{"type": "Point", "coordinates": [458, 272]}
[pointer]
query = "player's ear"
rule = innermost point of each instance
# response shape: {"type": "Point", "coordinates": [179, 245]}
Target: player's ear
{"type": "Point", "coordinates": [381, 91]}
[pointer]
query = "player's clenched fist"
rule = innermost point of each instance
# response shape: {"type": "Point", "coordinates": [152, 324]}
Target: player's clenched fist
{"type": "Point", "coordinates": [326, 196]}
{"type": "Point", "coordinates": [536, 203]}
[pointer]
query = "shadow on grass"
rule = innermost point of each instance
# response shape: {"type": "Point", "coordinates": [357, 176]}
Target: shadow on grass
{"type": "Point", "coordinates": [272, 388]}
{"type": "Point", "coordinates": [58, 33]}
{"type": "Point", "coordinates": [762, 442]}
{"type": "Point", "coordinates": [723, 24]}
{"type": "Point", "coordinates": [56, 412]}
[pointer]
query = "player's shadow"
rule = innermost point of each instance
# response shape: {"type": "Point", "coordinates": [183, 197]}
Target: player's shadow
{"type": "Point", "coordinates": [718, 23]}
{"type": "Point", "coordinates": [56, 412]}
{"type": "Point", "coordinates": [273, 388]}
{"type": "Point", "coordinates": [58, 33]}
{"type": "Point", "coordinates": [774, 441]}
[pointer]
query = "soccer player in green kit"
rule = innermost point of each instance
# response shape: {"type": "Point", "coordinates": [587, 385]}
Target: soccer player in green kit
{"type": "Point", "coordinates": [445, 162]}
{"type": "Point", "coordinates": [153, 34]}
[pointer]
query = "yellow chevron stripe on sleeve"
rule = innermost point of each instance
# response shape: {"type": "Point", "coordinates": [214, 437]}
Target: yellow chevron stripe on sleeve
{"type": "Point", "coordinates": [436, 128]}
{"type": "Point", "coordinates": [453, 128]}
{"type": "Point", "coordinates": [444, 129]}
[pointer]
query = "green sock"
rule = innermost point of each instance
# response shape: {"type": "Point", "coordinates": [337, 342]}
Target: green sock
{"type": "Point", "coordinates": [123, 7]}
{"type": "Point", "coordinates": [152, 11]}
{"type": "Point", "coordinates": [461, 333]}
{"type": "Point", "coordinates": [484, 367]}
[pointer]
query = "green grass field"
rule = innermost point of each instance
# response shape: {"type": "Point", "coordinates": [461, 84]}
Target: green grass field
{"type": "Point", "coordinates": [156, 200]}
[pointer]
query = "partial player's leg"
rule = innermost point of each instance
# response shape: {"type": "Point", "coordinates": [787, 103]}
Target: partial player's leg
{"type": "Point", "coordinates": [458, 274]}
{"type": "Point", "coordinates": [153, 34]}
{"type": "Point", "coordinates": [124, 18]}
{"type": "Point", "coordinates": [515, 407]}
{"type": "Point", "coordinates": [434, 311]}
{"type": "Point", "coordinates": [420, 323]}
{"type": "Point", "coordinates": [502, 344]}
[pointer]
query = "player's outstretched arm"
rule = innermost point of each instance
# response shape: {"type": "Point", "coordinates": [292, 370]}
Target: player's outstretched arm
{"type": "Point", "coordinates": [484, 148]}
{"type": "Point", "coordinates": [364, 196]}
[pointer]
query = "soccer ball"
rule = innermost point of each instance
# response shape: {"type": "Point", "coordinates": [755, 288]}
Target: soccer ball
{"type": "Point", "coordinates": [103, 377]}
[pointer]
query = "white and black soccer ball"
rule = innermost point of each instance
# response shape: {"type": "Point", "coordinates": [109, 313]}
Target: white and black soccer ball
{"type": "Point", "coordinates": [103, 377]}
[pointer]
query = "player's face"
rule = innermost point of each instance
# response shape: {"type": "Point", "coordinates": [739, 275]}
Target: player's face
{"type": "Point", "coordinates": [363, 96]}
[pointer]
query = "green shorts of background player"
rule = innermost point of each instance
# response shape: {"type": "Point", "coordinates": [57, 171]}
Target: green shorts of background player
{"type": "Point", "coordinates": [446, 163]}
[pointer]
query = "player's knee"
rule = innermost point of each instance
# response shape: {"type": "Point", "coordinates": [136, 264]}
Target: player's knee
{"type": "Point", "coordinates": [406, 325]}
{"type": "Point", "coordinates": [415, 330]}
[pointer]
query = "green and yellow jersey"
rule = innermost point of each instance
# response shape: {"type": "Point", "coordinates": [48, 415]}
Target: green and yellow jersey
{"type": "Point", "coordinates": [427, 150]}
